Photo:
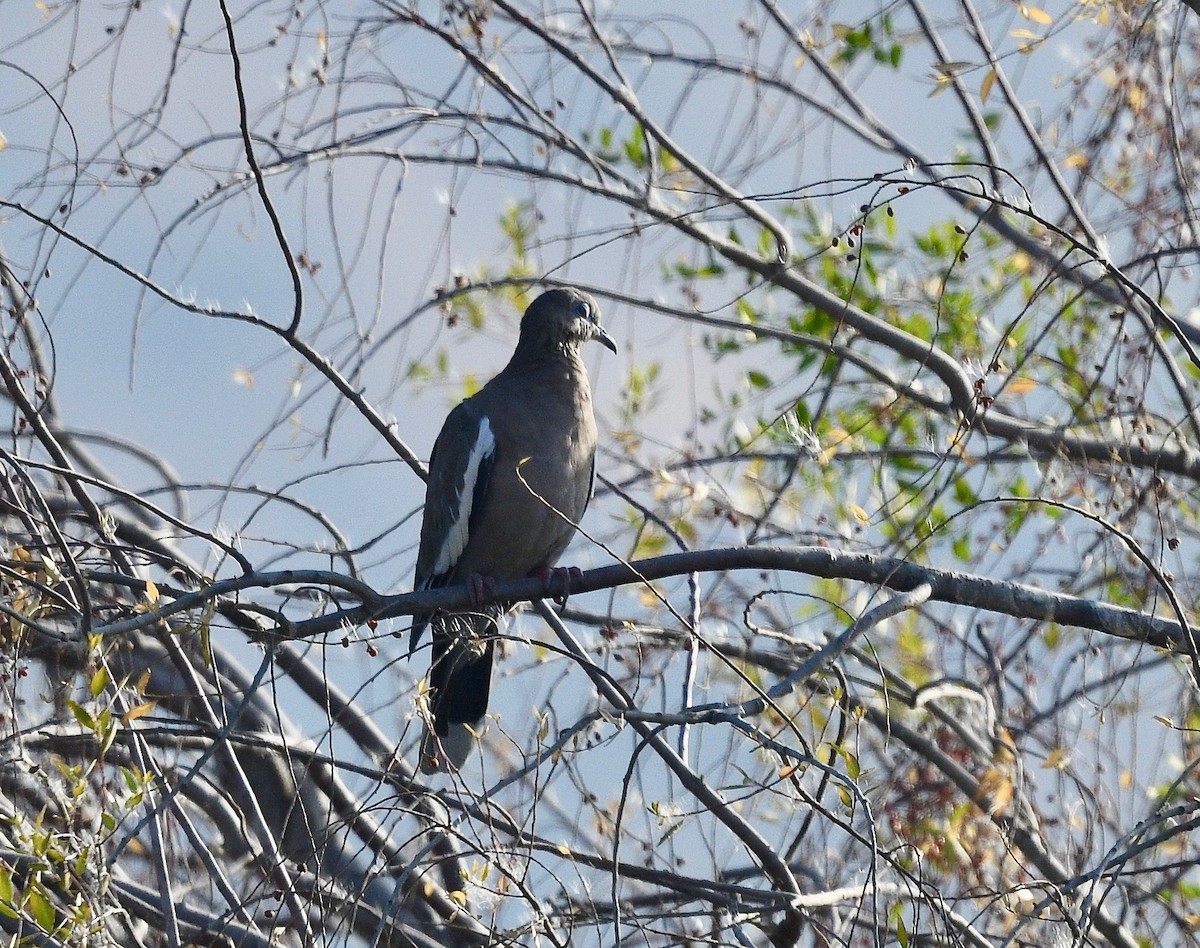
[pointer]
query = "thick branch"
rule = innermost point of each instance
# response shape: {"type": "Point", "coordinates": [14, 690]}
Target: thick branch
{"type": "Point", "coordinates": [1018, 600]}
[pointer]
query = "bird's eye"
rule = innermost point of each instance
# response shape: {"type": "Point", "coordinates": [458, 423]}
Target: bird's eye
{"type": "Point", "coordinates": [581, 309]}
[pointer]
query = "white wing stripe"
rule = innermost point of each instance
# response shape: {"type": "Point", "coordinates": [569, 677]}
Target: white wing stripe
{"type": "Point", "coordinates": [456, 534]}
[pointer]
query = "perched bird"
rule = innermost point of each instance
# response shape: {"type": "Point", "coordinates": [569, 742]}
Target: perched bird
{"type": "Point", "coordinates": [510, 476]}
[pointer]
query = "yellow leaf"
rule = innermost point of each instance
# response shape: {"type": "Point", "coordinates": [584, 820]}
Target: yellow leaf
{"type": "Point", "coordinates": [138, 711]}
{"type": "Point", "coordinates": [996, 788]}
{"type": "Point", "coordinates": [859, 514]}
{"type": "Point", "coordinates": [1126, 779]}
{"type": "Point", "coordinates": [1024, 34]}
{"type": "Point", "coordinates": [152, 593]}
{"type": "Point", "coordinates": [1036, 15]}
{"type": "Point", "coordinates": [564, 849]}
{"type": "Point", "coordinates": [985, 87]}
{"type": "Point", "coordinates": [1057, 759]}
{"type": "Point", "coordinates": [50, 568]}
{"type": "Point", "coordinates": [459, 896]}
{"type": "Point", "coordinates": [1075, 160]}
{"type": "Point", "coordinates": [1022, 385]}
{"type": "Point", "coordinates": [834, 440]}
{"type": "Point", "coordinates": [243, 377]}
{"type": "Point", "coordinates": [3, 142]}
{"type": "Point", "coordinates": [940, 85]}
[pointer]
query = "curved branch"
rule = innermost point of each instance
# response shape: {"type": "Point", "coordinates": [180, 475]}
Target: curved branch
{"type": "Point", "coordinates": [248, 146]}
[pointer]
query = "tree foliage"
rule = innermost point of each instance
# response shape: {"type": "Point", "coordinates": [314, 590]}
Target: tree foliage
{"type": "Point", "coordinates": [887, 632]}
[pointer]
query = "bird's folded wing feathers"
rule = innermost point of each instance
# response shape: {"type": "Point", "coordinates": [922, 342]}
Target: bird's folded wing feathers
{"type": "Point", "coordinates": [460, 470]}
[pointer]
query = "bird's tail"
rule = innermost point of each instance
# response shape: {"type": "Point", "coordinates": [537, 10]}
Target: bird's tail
{"type": "Point", "coordinates": [447, 752]}
{"type": "Point", "coordinates": [460, 678]}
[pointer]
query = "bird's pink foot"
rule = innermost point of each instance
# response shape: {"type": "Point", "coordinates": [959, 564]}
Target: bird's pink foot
{"type": "Point", "coordinates": [559, 581]}
{"type": "Point", "coordinates": [480, 587]}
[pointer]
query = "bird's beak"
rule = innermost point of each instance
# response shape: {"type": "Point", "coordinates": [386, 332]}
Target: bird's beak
{"type": "Point", "coordinates": [603, 338]}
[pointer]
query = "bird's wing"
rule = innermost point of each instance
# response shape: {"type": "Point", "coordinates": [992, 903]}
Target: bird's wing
{"type": "Point", "coordinates": [460, 470]}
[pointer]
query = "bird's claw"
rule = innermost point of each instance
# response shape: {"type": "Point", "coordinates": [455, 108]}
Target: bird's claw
{"type": "Point", "coordinates": [479, 589]}
{"type": "Point", "coordinates": [560, 580]}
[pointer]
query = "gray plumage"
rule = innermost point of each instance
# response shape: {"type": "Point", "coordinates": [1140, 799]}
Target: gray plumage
{"type": "Point", "coordinates": [509, 478]}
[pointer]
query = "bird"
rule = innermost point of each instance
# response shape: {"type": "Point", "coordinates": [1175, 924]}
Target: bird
{"type": "Point", "coordinates": [510, 475]}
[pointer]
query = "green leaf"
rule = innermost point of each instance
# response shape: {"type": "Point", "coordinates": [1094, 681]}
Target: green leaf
{"type": "Point", "coordinates": [130, 779]}
{"type": "Point", "coordinates": [963, 492]}
{"type": "Point", "coordinates": [99, 682]}
{"type": "Point", "coordinates": [40, 908]}
{"type": "Point", "coordinates": [635, 147]}
{"type": "Point", "coordinates": [766, 243]}
{"type": "Point", "coordinates": [108, 726]}
{"type": "Point", "coordinates": [81, 715]}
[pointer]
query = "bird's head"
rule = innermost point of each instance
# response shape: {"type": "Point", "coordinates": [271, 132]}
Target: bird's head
{"type": "Point", "coordinates": [562, 319]}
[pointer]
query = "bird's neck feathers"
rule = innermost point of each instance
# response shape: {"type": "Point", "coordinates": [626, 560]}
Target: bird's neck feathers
{"type": "Point", "coordinates": [554, 370]}
{"type": "Point", "coordinates": [544, 347]}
